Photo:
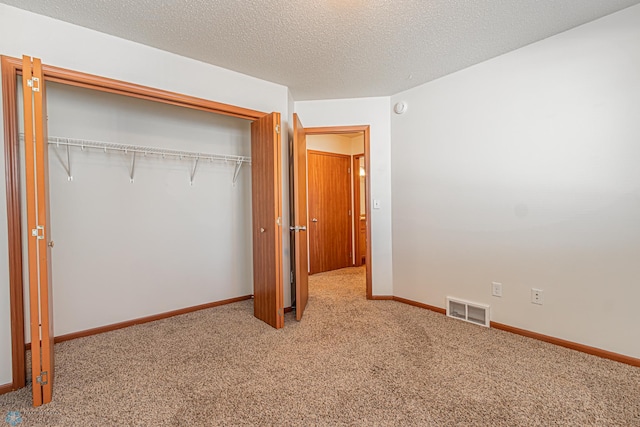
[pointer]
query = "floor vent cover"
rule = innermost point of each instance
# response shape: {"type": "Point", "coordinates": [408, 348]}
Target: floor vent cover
{"type": "Point", "coordinates": [468, 311]}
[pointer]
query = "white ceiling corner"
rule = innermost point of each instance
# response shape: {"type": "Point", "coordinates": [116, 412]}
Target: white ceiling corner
{"type": "Point", "coordinates": [333, 48]}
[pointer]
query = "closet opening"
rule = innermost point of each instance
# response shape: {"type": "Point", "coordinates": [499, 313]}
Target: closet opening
{"type": "Point", "coordinates": [150, 208]}
{"type": "Point", "coordinates": [90, 163]}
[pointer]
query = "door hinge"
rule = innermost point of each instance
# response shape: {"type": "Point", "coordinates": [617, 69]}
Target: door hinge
{"type": "Point", "coordinates": [279, 221]}
{"type": "Point", "coordinates": [348, 170]}
{"type": "Point", "coordinates": [291, 277]}
{"type": "Point", "coordinates": [43, 378]}
{"type": "Point", "coordinates": [34, 84]}
{"type": "Point", "coordinates": [38, 232]}
{"type": "Point", "coordinates": [278, 129]}
{"type": "Point", "coordinates": [349, 212]}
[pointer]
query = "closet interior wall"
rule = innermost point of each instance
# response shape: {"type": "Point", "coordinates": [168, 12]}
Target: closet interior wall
{"type": "Point", "coordinates": [126, 250]}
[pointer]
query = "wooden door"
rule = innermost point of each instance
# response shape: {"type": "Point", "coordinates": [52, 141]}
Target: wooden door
{"type": "Point", "coordinates": [37, 189]}
{"type": "Point", "coordinates": [266, 182]}
{"type": "Point", "coordinates": [299, 208]}
{"type": "Point", "coordinates": [329, 211]}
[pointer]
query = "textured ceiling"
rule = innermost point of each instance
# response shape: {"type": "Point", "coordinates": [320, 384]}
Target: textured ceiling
{"type": "Point", "coordinates": [332, 48]}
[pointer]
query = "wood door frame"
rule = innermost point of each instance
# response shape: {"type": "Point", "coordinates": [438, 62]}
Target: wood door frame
{"type": "Point", "coordinates": [11, 69]}
{"type": "Point", "coordinates": [356, 199]}
{"type": "Point", "coordinates": [351, 234]}
{"type": "Point", "coordinates": [365, 129]}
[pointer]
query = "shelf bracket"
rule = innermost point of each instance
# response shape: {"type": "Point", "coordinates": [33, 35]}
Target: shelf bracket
{"type": "Point", "coordinates": [193, 170]}
{"type": "Point", "coordinates": [133, 167]}
{"type": "Point", "coordinates": [67, 166]}
{"type": "Point", "coordinates": [237, 171]}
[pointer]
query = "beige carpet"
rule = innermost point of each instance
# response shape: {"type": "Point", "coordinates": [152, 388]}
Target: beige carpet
{"type": "Point", "coordinates": [349, 362]}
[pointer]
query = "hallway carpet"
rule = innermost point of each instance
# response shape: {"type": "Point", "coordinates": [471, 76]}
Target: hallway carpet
{"type": "Point", "coordinates": [348, 362]}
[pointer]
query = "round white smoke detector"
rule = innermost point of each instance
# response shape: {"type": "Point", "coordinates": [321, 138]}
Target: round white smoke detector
{"type": "Point", "coordinates": [400, 107]}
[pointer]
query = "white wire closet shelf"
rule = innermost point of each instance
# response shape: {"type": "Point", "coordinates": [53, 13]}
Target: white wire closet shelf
{"type": "Point", "coordinates": [134, 150]}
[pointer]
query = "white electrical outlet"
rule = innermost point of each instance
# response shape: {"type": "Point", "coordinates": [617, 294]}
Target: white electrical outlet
{"type": "Point", "coordinates": [376, 204]}
{"type": "Point", "coordinates": [496, 289]}
{"type": "Point", "coordinates": [537, 296]}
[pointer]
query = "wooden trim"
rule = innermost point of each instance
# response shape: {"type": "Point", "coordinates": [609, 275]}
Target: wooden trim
{"type": "Point", "coordinates": [594, 351]}
{"type": "Point", "coordinates": [141, 320]}
{"type": "Point", "coordinates": [605, 354]}
{"type": "Point", "coordinates": [329, 153]}
{"type": "Point", "coordinates": [336, 130]}
{"type": "Point", "coordinates": [12, 181]}
{"type": "Point", "coordinates": [367, 199]}
{"type": "Point", "coordinates": [382, 297]}
{"type": "Point", "coordinates": [7, 388]}
{"type": "Point", "coordinates": [420, 305]}
{"type": "Point", "coordinates": [104, 84]}
{"type": "Point", "coordinates": [356, 259]}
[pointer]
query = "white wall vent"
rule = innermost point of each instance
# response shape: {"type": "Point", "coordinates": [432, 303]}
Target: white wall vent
{"type": "Point", "coordinates": [468, 311]}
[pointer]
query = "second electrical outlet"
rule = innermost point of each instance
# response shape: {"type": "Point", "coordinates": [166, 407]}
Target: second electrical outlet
{"type": "Point", "coordinates": [536, 296]}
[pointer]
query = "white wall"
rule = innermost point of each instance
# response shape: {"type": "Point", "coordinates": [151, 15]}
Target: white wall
{"type": "Point", "coordinates": [335, 144]}
{"type": "Point", "coordinates": [69, 46]}
{"type": "Point", "coordinates": [524, 170]}
{"type": "Point", "coordinates": [373, 112]}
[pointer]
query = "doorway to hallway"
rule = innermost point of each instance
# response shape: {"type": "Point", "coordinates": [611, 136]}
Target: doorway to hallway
{"type": "Point", "coordinates": [352, 142]}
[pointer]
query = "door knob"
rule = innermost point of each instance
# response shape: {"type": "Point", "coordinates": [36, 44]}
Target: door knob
{"type": "Point", "coordinates": [261, 230]}
{"type": "Point", "coordinates": [314, 219]}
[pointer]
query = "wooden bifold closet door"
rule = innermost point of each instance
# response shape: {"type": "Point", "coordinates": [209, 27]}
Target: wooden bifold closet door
{"type": "Point", "coordinates": [266, 184]}
{"type": "Point", "coordinates": [37, 191]}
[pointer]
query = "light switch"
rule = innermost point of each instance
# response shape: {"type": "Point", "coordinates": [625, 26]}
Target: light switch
{"type": "Point", "coordinates": [376, 204]}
